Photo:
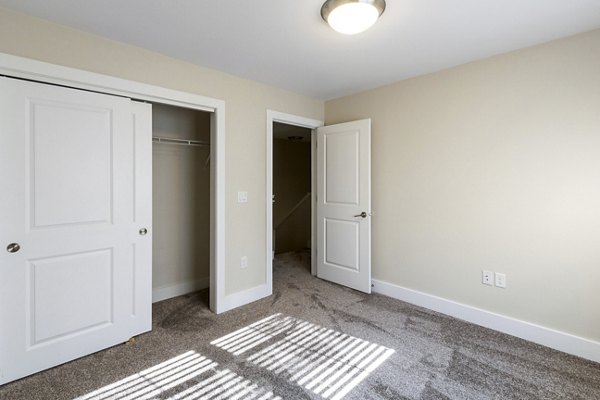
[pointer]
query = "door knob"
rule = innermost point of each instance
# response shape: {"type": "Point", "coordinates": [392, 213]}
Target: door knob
{"type": "Point", "coordinates": [143, 231]}
{"type": "Point", "coordinates": [362, 215]}
{"type": "Point", "coordinates": [13, 247]}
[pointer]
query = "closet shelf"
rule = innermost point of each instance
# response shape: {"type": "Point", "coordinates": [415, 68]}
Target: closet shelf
{"type": "Point", "coordinates": [181, 142]}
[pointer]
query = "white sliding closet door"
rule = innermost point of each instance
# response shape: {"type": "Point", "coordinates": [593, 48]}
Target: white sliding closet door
{"type": "Point", "coordinates": [75, 272]}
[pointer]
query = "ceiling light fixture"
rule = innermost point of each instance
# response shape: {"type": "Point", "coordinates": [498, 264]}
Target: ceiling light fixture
{"type": "Point", "coordinates": [352, 16]}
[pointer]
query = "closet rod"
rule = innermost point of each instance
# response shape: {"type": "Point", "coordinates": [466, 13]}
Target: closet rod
{"type": "Point", "coordinates": [185, 142]}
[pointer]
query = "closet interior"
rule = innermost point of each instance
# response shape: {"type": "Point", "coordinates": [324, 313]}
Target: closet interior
{"type": "Point", "coordinates": [181, 200]}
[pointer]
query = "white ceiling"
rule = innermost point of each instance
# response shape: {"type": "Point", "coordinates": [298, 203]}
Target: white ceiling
{"type": "Point", "coordinates": [285, 43]}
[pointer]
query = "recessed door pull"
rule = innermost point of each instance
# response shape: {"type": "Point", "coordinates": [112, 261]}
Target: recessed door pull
{"type": "Point", "coordinates": [13, 247]}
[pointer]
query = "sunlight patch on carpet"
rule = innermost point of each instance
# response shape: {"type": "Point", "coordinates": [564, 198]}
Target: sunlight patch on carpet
{"type": "Point", "coordinates": [327, 362]}
{"type": "Point", "coordinates": [189, 376]}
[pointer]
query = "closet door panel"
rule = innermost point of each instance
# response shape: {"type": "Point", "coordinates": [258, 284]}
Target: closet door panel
{"type": "Point", "coordinates": [51, 295]}
{"type": "Point", "coordinates": [63, 136]}
{"type": "Point", "coordinates": [70, 252]}
{"type": "Point", "coordinates": [141, 314]}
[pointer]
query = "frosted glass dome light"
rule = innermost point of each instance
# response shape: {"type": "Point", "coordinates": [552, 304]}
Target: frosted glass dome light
{"type": "Point", "coordinates": [352, 16]}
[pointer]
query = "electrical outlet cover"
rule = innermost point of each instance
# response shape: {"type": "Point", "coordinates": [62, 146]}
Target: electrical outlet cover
{"type": "Point", "coordinates": [487, 278]}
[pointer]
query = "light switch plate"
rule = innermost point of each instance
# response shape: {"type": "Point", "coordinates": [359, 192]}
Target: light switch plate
{"type": "Point", "coordinates": [500, 280]}
{"type": "Point", "coordinates": [242, 197]}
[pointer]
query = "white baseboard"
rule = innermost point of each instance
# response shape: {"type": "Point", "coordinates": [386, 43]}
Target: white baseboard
{"type": "Point", "coordinates": [245, 297]}
{"type": "Point", "coordinates": [548, 337]}
{"type": "Point", "coordinates": [167, 292]}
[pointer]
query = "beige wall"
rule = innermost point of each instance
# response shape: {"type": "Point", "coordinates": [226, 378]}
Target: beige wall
{"type": "Point", "coordinates": [245, 124]}
{"type": "Point", "coordinates": [181, 198]}
{"type": "Point", "coordinates": [492, 165]}
{"type": "Point", "coordinates": [291, 183]}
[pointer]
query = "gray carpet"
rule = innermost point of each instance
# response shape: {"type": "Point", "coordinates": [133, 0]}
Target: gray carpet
{"type": "Point", "coordinates": [314, 340]}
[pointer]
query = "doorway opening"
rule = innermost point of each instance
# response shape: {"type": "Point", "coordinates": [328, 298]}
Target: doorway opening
{"type": "Point", "coordinates": [181, 193]}
{"type": "Point", "coordinates": [292, 212]}
{"type": "Point", "coordinates": [291, 188]}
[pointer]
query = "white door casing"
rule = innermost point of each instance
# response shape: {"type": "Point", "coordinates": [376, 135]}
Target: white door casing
{"type": "Point", "coordinates": [343, 194]}
{"type": "Point", "coordinates": [76, 181]}
{"type": "Point", "coordinates": [296, 120]}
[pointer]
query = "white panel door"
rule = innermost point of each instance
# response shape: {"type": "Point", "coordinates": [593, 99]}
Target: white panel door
{"type": "Point", "coordinates": [344, 204]}
{"type": "Point", "coordinates": [75, 273]}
